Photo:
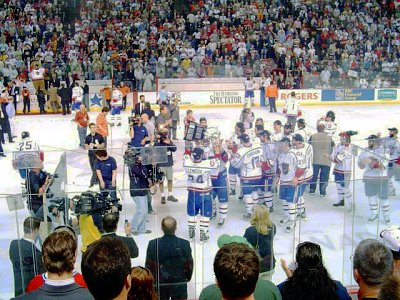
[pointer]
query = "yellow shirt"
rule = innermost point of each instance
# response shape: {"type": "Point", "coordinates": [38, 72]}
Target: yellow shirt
{"type": "Point", "coordinates": [89, 231]}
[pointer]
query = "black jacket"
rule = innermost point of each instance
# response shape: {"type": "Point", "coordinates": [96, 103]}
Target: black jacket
{"type": "Point", "coordinates": [138, 177]}
{"type": "Point", "coordinates": [170, 260]}
{"type": "Point", "coordinates": [129, 241]}
{"type": "Point", "coordinates": [65, 94]}
{"type": "Point", "coordinates": [170, 149]}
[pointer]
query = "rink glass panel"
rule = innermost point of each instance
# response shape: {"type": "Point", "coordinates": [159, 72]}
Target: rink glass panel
{"type": "Point", "coordinates": [337, 230]}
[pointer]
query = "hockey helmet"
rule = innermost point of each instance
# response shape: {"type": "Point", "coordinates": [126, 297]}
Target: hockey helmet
{"type": "Point", "coordinates": [25, 134]}
{"type": "Point", "coordinates": [240, 125]}
{"type": "Point", "coordinates": [244, 138]}
{"type": "Point", "coordinates": [391, 238]}
{"type": "Point", "coordinates": [301, 121]}
{"type": "Point", "coordinates": [265, 133]}
{"type": "Point", "coordinates": [346, 135]}
{"type": "Point", "coordinates": [197, 154]}
{"type": "Point", "coordinates": [287, 126]}
{"type": "Point", "coordinates": [331, 114]}
{"type": "Point", "coordinates": [372, 137]}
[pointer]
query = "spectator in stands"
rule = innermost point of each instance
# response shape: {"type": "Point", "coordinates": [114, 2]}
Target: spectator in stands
{"type": "Point", "coordinates": [106, 268]}
{"type": "Point", "coordinates": [110, 224]}
{"type": "Point", "coordinates": [391, 238]}
{"type": "Point", "coordinates": [261, 236]}
{"type": "Point", "coordinates": [310, 279]}
{"type": "Point", "coordinates": [59, 256]}
{"type": "Point", "coordinates": [372, 261]}
{"type": "Point", "coordinates": [236, 269]}
{"type": "Point", "coordinates": [322, 145]}
{"type": "Point", "coordinates": [390, 288]}
{"type": "Point", "coordinates": [142, 285]}
{"type": "Point", "coordinates": [26, 259]}
{"type": "Point", "coordinates": [170, 260]}
{"type": "Point", "coordinates": [39, 280]}
{"type": "Point", "coordinates": [102, 124]}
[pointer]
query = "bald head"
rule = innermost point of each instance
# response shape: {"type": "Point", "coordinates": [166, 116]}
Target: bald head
{"type": "Point", "coordinates": [168, 225]}
{"type": "Point", "coordinates": [321, 128]}
{"type": "Point", "coordinates": [144, 117]}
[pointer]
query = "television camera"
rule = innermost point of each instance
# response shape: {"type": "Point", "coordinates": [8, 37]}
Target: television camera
{"type": "Point", "coordinates": [89, 203]}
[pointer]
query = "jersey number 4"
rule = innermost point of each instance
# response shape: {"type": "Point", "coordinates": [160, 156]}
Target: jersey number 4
{"type": "Point", "coordinates": [196, 179]}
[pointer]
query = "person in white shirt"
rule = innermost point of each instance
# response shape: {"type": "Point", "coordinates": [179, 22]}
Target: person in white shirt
{"type": "Point", "coordinates": [292, 109]}
{"type": "Point", "coordinates": [116, 106]}
{"type": "Point", "coordinates": [77, 97]}
{"type": "Point", "coordinates": [304, 131]}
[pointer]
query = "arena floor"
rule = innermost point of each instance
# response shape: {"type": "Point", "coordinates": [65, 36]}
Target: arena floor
{"type": "Point", "coordinates": [334, 229]}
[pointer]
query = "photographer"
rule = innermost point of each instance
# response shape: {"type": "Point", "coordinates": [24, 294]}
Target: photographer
{"type": "Point", "coordinates": [139, 185]}
{"type": "Point", "coordinates": [138, 132]}
{"type": "Point", "coordinates": [163, 140]}
{"type": "Point", "coordinates": [106, 170]}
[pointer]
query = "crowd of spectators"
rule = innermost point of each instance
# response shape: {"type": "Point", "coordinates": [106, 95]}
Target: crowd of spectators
{"type": "Point", "coordinates": [327, 42]}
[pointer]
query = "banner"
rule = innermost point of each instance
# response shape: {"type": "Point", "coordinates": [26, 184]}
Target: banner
{"type": "Point", "coordinates": [386, 94]}
{"type": "Point", "coordinates": [301, 95]}
{"type": "Point", "coordinates": [348, 95]}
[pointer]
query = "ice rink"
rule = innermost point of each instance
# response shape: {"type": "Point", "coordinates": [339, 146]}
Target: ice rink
{"type": "Point", "coordinates": [335, 229]}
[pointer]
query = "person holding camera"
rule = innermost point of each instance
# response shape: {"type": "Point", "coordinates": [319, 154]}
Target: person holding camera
{"type": "Point", "coordinates": [106, 170]}
{"type": "Point", "coordinates": [36, 183]}
{"type": "Point", "coordinates": [138, 133]}
{"type": "Point", "coordinates": [163, 140]}
{"type": "Point", "coordinates": [139, 185]}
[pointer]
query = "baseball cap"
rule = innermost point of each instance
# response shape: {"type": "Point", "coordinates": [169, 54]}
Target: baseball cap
{"type": "Point", "coordinates": [391, 238]}
{"type": "Point", "coordinates": [226, 239]}
{"type": "Point", "coordinates": [393, 129]}
{"type": "Point", "coordinates": [298, 137]}
{"type": "Point", "coordinates": [372, 137]}
{"type": "Point", "coordinates": [245, 138]}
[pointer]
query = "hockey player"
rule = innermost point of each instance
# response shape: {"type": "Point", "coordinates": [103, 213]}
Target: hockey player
{"type": "Point", "coordinates": [268, 165]}
{"type": "Point", "coordinates": [329, 122]}
{"type": "Point", "coordinates": [304, 173]}
{"type": "Point", "coordinates": [286, 174]}
{"type": "Point", "coordinates": [247, 117]}
{"type": "Point", "coordinates": [219, 182]}
{"type": "Point", "coordinates": [304, 131]}
{"type": "Point", "coordinates": [26, 150]}
{"type": "Point", "coordinates": [77, 97]}
{"type": "Point", "coordinates": [392, 146]}
{"type": "Point", "coordinates": [116, 106]}
{"type": "Point", "coordinates": [277, 135]}
{"type": "Point", "coordinates": [374, 162]}
{"type": "Point", "coordinates": [233, 146]}
{"type": "Point", "coordinates": [287, 131]}
{"type": "Point", "coordinates": [199, 190]}
{"type": "Point", "coordinates": [342, 157]}
{"type": "Point", "coordinates": [249, 92]}
{"type": "Point", "coordinates": [292, 110]}
{"type": "Point", "coordinates": [249, 159]}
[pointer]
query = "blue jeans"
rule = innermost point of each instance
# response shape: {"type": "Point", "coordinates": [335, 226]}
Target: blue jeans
{"type": "Point", "coordinates": [82, 132]}
{"type": "Point", "coordinates": [109, 189]}
{"type": "Point", "coordinates": [139, 219]}
{"type": "Point", "coordinates": [323, 172]}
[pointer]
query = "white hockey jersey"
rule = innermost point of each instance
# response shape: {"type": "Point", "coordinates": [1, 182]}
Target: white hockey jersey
{"type": "Point", "coordinates": [305, 133]}
{"type": "Point", "coordinates": [330, 127]}
{"type": "Point", "coordinates": [199, 173]}
{"type": "Point", "coordinates": [342, 157]}
{"type": "Point", "coordinates": [276, 136]}
{"type": "Point", "coordinates": [269, 156]}
{"type": "Point", "coordinates": [222, 163]}
{"type": "Point", "coordinates": [116, 98]}
{"type": "Point", "coordinates": [376, 155]}
{"type": "Point", "coordinates": [292, 107]}
{"type": "Point", "coordinates": [286, 166]}
{"type": "Point", "coordinates": [392, 146]}
{"type": "Point", "coordinates": [246, 158]}
{"type": "Point", "coordinates": [249, 85]}
{"type": "Point", "coordinates": [26, 148]}
{"type": "Point", "coordinates": [77, 94]}
{"type": "Point", "coordinates": [304, 157]}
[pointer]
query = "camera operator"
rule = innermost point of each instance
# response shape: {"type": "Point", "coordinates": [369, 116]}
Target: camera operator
{"type": "Point", "coordinates": [139, 185]}
{"type": "Point", "coordinates": [106, 170]}
{"type": "Point", "coordinates": [93, 141]}
{"type": "Point", "coordinates": [138, 133]}
{"type": "Point", "coordinates": [163, 140]}
{"type": "Point", "coordinates": [36, 183]}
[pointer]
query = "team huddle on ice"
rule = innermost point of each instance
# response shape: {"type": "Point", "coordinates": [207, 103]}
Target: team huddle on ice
{"type": "Point", "coordinates": [281, 162]}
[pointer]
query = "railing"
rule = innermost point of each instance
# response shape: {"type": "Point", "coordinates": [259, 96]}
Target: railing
{"type": "Point", "coordinates": [337, 229]}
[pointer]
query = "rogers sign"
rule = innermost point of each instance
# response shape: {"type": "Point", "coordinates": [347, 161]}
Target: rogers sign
{"type": "Point", "coordinates": [302, 95]}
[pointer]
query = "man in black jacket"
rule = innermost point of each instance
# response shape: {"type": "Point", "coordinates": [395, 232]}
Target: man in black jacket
{"type": "Point", "coordinates": [139, 186]}
{"type": "Point", "coordinates": [25, 257]}
{"type": "Point", "coordinates": [65, 95]}
{"type": "Point", "coordinates": [170, 260]}
{"type": "Point", "coordinates": [110, 224]}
